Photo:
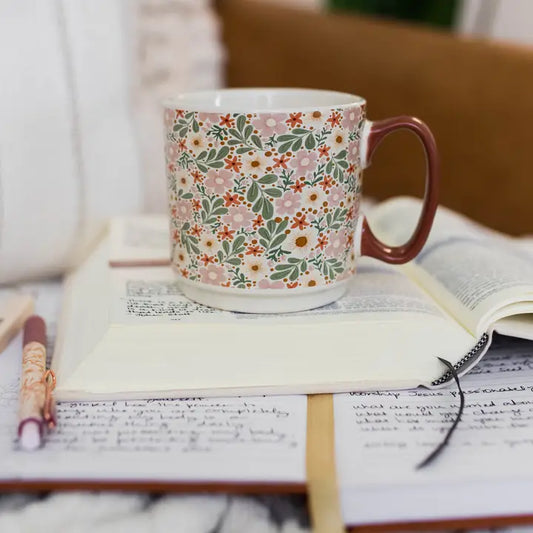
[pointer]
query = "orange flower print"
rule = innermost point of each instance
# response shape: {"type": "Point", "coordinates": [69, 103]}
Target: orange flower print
{"type": "Point", "coordinates": [281, 162]}
{"type": "Point", "coordinates": [231, 199]}
{"type": "Point", "coordinates": [184, 272]}
{"type": "Point", "coordinates": [254, 250]}
{"type": "Point", "coordinates": [351, 169]}
{"type": "Point", "coordinates": [292, 285]}
{"type": "Point", "coordinates": [300, 222]}
{"type": "Point", "coordinates": [295, 119]}
{"type": "Point", "coordinates": [175, 236]}
{"type": "Point", "coordinates": [298, 186]}
{"type": "Point", "coordinates": [207, 259]}
{"type": "Point", "coordinates": [179, 113]}
{"type": "Point", "coordinates": [327, 182]}
{"type": "Point", "coordinates": [196, 204]}
{"type": "Point", "coordinates": [226, 234]}
{"type": "Point", "coordinates": [182, 145]}
{"type": "Point", "coordinates": [174, 211]}
{"type": "Point", "coordinates": [322, 242]}
{"type": "Point", "coordinates": [197, 176]}
{"type": "Point", "coordinates": [334, 119]}
{"type": "Point", "coordinates": [323, 151]}
{"type": "Point", "coordinates": [233, 164]}
{"type": "Point", "coordinates": [226, 121]}
{"type": "Point", "coordinates": [196, 230]}
{"type": "Point", "coordinates": [257, 221]}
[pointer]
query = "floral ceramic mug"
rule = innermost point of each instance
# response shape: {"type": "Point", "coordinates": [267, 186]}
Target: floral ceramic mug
{"type": "Point", "coordinates": [264, 187]}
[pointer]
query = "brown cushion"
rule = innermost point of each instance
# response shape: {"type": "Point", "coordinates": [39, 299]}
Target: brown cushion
{"type": "Point", "coordinates": [476, 96]}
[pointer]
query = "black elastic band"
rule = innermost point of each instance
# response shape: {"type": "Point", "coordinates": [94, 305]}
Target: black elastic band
{"type": "Point", "coordinates": [437, 451]}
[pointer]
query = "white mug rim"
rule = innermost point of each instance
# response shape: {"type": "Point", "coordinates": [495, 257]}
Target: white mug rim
{"type": "Point", "coordinates": [213, 101]}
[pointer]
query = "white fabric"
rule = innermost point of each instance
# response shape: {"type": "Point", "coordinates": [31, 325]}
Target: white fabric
{"type": "Point", "coordinates": [137, 513]}
{"type": "Point", "coordinates": [67, 150]}
{"type": "Point", "coordinates": [179, 50]}
{"type": "Point", "coordinates": [80, 124]}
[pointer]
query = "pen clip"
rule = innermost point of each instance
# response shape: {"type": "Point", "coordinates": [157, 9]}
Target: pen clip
{"type": "Point", "coordinates": [49, 408]}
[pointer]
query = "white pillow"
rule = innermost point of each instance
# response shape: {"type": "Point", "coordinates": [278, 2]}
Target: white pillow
{"type": "Point", "coordinates": [68, 157]}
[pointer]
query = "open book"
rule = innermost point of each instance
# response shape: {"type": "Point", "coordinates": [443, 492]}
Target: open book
{"type": "Point", "coordinates": [129, 332]}
{"type": "Point", "coordinates": [258, 444]}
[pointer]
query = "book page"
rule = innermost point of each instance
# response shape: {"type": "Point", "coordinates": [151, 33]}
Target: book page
{"type": "Point", "coordinates": [256, 439]}
{"type": "Point", "coordinates": [382, 436]}
{"type": "Point", "coordinates": [478, 274]}
{"type": "Point", "coordinates": [152, 295]}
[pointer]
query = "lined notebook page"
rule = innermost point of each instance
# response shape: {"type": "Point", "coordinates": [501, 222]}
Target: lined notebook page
{"type": "Point", "coordinates": [486, 470]}
{"type": "Point", "coordinates": [254, 439]}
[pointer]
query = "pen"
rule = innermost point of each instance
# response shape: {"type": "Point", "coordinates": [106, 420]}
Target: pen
{"type": "Point", "coordinates": [36, 402]}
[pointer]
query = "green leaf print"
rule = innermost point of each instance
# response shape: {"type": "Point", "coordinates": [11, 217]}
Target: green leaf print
{"type": "Point", "coordinates": [290, 270]}
{"type": "Point", "coordinates": [212, 159]}
{"type": "Point", "coordinates": [294, 140]}
{"type": "Point", "coordinates": [243, 134]}
{"type": "Point", "coordinates": [336, 166]}
{"type": "Point", "coordinates": [211, 208]}
{"type": "Point", "coordinates": [268, 179]}
{"type": "Point", "coordinates": [335, 220]}
{"type": "Point", "coordinates": [258, 196]}
{"type": "Point", "coordinates": [332, 267]}
{"type": "Point", "coordinates": [229, 253]}
{"type": "Point", "coordinates": [189, 241]}
{"type": "Point", "coordinates": [253, 192]}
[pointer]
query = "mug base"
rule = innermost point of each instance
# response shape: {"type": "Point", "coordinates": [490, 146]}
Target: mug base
{"type": "Point", "coordinates": [265, 300]}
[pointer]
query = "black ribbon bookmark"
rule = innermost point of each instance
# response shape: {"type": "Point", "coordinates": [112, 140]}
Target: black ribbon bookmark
{"type": "Point", "coordinates": [438, 450]}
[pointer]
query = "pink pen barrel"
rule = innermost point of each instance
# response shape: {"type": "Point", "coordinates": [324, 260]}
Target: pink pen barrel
{"type": "Point", "coordinates": [32, 385]}
{"type": "Point", "coordinates": [34, 331]}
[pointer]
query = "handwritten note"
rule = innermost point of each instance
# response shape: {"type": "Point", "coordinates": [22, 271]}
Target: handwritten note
{"type": "Point", "coordinates": [382, 436]}
{"type": "Point", "coordinates": [235, 439]}
{"type": "Point", "coordinates": [249, 439]}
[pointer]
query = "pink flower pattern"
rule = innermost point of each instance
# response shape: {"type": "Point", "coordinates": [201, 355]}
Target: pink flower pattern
{"type": "Point", "coordinates": [337, 243]}
{"type": "Point", "coordinates": [288, 204]}
{"type": "Point", "coordinates": [304, 162]}
{"type": "Point", "coordinates": [335, 196]}
{"type": "Point", "coordinates": [350, 118]}
{"type": "Point", "coordinates": [271, 123]}
{"type": "Point", "coordinates": [249, 181]}
{"type": "Point", "coordinates": [219, 180]}
{"type": "Point", "coordinates": [238, 217]}
{"type": "Point", "coordinates": [213, 274]}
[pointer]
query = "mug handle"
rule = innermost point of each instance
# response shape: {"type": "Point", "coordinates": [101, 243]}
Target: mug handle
{"type": "Point", "coordinates": [373, 133]}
